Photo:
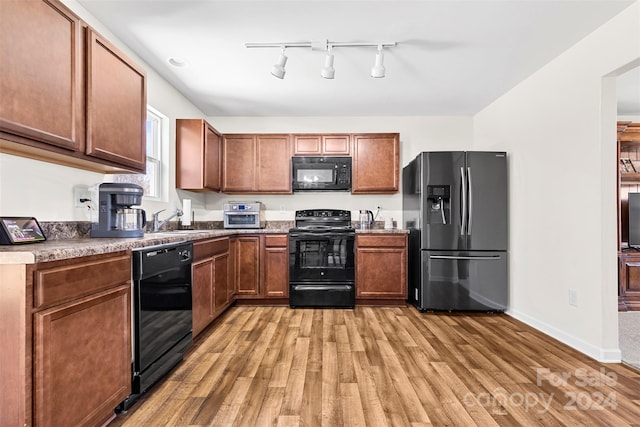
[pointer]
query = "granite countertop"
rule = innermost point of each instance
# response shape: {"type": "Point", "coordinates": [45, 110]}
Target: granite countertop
{"type": "Point", "coordinates": [52, 250]}
{"type": "Point", "coordinates": [63, 248]}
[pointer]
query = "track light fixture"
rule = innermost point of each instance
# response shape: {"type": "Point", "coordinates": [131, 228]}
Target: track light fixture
{"type": "Point", "coordinates": [327, 72]}
{"type": "Point", "coordinates": [378, 69]}
{"type": "Point", "coordinates": [278, 68]}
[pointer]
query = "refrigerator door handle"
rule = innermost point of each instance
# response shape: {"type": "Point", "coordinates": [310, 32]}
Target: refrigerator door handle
{"type": "Point", "coordinates": [470, 213]}
{"type": "Point", "coordinates": [463, 213]}
{"type": "Point", "coordinates": [472, 258]}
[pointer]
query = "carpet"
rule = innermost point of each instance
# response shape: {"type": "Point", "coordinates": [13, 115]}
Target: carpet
{"type": "Point", "coordinates": [629, 332]}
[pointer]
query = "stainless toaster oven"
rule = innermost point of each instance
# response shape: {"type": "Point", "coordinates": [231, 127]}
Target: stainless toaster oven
{"type": "Point", "coordinates": [243, 215]}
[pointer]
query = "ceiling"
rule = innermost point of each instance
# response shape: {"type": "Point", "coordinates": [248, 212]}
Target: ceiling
{"type": "Point", "coordinates": [451, 58]}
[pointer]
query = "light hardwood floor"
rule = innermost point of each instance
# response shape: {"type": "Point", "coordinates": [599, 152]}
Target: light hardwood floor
{"type": "Point", "coordinates": [274, 366]}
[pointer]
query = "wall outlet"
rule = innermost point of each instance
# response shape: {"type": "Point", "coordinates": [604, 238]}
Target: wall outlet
{"type": "Point", "coordinates": [573, 297]}
{"type": "Point", "coordinates": [81, 196]}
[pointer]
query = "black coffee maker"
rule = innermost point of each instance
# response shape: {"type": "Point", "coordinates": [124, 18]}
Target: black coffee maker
{"type": "Point", "coordinates": [114, 216]}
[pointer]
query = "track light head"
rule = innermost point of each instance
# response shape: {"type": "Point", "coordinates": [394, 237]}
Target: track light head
{"type": "Point", "coordinates": [328, 72]}
{"type": "Point", "coordinates": [378, 68]}
{"type": "Point", "coordinates": [278, 68]}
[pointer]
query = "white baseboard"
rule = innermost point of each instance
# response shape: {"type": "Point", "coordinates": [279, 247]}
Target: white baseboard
{"type": "Point", "coordinates": [604, 355]}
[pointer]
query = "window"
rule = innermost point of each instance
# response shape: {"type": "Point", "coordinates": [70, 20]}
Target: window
{"type": "Point", "coordinates": [154, 182]}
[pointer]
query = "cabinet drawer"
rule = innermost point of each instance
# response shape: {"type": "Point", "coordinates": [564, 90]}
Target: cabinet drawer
{"type": "Point", "coordinates": [210, 248]}
{"type": "Point", "coordinates": [376, 240]}
{"type": "Point", "coordinates": [71, 281]}
{"type": "Point", "coordinates": [278, 241]}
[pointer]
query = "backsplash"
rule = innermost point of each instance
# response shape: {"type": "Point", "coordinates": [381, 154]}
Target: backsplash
{"type": "Point", "coordinates": [80, 229]}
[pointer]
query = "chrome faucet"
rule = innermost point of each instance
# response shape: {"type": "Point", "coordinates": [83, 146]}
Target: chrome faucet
{"type": "Point", "coordinates": [157, 224]}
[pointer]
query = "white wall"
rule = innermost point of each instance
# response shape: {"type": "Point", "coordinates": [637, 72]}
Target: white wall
{"type": "Point", "coordinates": [559, 129]}
{"type": "Point", "coordinates": [416, 134]}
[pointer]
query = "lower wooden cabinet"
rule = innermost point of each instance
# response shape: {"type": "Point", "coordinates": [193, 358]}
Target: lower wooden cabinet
{"type": "Point", "coordinates": [66, 336]}
{"type": "Point", "coordinates": [201, 294]}
{"type": "Point", "coordinates": [381, 268]}
{"type": "Point", "coordinates": [82, 359]}
{"type": "Point", "coordinates": [629, 281]}
{"type": "Point", "coordinates": [247, 266]}
{"type": "Point", "coordinates": [274, 271]}
{"type": "Point", "coordinates": [212, 283]}
{"type": "Point", "coordinates": [262, 267]}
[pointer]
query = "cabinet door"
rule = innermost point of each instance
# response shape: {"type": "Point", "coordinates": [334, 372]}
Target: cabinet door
{"type": "Point", "coordinates": [248, 262]}
{"type": "Point", "coordinates": [41, 73]}
{"type": "Point", "coordinates": [275, 266]}
{"type": "Point", "coordinates": [212, 160]}
{"type": "Point", "coordinates": [116, 105]}
{"type": "Point", "coordinates": [307, 145]}
{"type": "Point", "coordinates": [220, 283]}
{"type": "Point", "coordinates": [198, 155]}
{"type": "Point", "coordinates": [231, 283]}
{"type": "Point", "coordinates": [82, 362]}
{"type": "Point", "coordinates": [238, 161]}
{"type": "Point", "coordinates": [336, 145]}
{"type": "Point", "coordinates": [273, 164]}
{"type": "Point", "coordinates": [381, 266]}
{"type": "Point", "coordinates": [201, 294]}
{"type": "Point", "coordinates": [376, 163]}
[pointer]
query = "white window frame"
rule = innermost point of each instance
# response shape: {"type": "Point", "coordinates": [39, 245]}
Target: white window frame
{"type": "Point", "coordinates": [157, 152]}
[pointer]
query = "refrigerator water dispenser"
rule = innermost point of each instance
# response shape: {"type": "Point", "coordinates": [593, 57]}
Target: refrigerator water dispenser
{"type": "Point", "coordinates": [438, 204]}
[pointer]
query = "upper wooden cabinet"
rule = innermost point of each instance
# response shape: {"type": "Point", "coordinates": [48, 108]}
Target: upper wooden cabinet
{"type": "Point", "coordinates": [198, 156]}
{"type": "Point", "coordinates": [68, 96]}
{"type": "Point", "coordinates": [116, 105]}
{"type": "Point", "coordinates": [256, 163]}
{"type": "Point", "coordinates": [41, 76]}
{"type": "Point", "coordinates": [321, 145]}
{"type": "Point", "coordinates": [376, 163]}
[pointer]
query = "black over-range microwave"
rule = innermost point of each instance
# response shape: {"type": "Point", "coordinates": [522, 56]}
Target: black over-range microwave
{"type": "Point", "coordinates": [321, 173]}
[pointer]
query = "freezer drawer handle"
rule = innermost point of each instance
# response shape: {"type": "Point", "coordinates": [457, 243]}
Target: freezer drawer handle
{"type": "Point", "coordinates": [481, 258]}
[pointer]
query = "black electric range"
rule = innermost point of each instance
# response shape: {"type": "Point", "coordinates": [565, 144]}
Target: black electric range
{"type": "Point", "coordinates": [322, 259]}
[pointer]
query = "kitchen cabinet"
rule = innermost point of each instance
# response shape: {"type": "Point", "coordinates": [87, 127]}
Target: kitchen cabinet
{"type": "Point", "coordinates": [247, 266]}
{"type": "Point", "coordinates": [69, 96]}
{"type": "Point", "coordinates": [233, 268]}
{"type": "Point", "coordinates": [321, 145]}
{"type": "Point", "coordinates": [116, 105]}
{"type": "Point", "coordinates": [198, 156]}
{"type": "Point", "coordinates": [629, 281]}
{"type": "Point", "coordinates": [66, 328]}
{"type": "Point", "coordinates": [262, 267]}
{"type": "Point", "coordinates": [41, 51]}
{"type": "Point", "coordinates": [211, 281]}
{"type": "Point", "coordinates": [256, 163]}
{"type": "Point", "coordinates": [381, 268]}
{"type": "Point", "coordinates": [376, 163]}
{"type": "Point", "coordinates": [274, 271]}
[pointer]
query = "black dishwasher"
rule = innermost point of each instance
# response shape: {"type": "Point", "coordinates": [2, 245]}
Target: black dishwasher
{"type": "Point", "coordinates": [161, 313]}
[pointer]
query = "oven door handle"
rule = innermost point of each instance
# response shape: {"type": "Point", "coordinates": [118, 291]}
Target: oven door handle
{"type": "Point", "coordinates": [241, 213]}
{"type": "Point", "coordinates": [298, 234]}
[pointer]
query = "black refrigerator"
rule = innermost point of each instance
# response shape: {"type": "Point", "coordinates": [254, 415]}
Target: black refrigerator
{"type": "Point", "coordinates": [455, 208]}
